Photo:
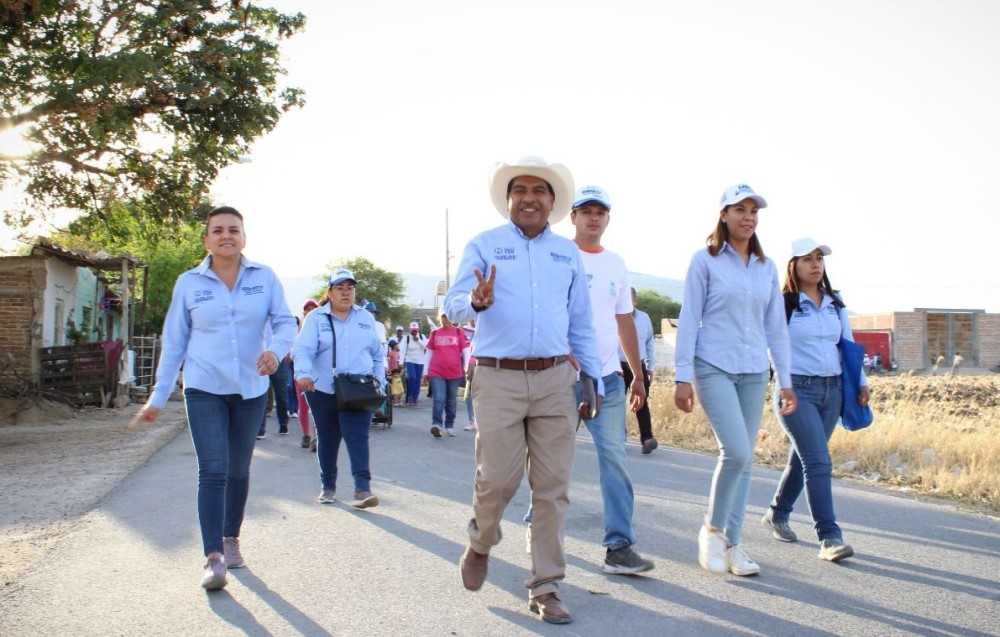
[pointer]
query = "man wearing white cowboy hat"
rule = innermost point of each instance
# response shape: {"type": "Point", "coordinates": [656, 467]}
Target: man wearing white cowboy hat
{"type": "Point", "coordinates": [526, 288]}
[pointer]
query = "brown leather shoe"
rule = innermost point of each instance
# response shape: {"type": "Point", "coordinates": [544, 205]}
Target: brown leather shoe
{"type": "Point", "coordinates": [473, 566]}
{"type": "Point", "coordinates": [550, 609]}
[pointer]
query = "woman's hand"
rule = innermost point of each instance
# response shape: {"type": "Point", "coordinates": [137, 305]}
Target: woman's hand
{"type": "Point", "coordinates": [306, 384]}
{"type": "Point", "coordinates": [684, 397]}
{"type": "Point", "coordinates": [787, 401]}
{"type": "Point", "coordinates": [267, 363]}
{"type": "Point", "coordinates": [864, 395]}
{"type": "Point", "coordinates": [147, 414]}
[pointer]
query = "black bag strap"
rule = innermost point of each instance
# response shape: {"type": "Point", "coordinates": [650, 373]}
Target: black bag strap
{"type": "Point", "coordinates": [791, 304]}
{"type": "Point", "coordinates": [333, 335]}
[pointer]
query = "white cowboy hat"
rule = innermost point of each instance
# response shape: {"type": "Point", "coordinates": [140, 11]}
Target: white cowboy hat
{"type": "Point", "coordinates": [557, 176]}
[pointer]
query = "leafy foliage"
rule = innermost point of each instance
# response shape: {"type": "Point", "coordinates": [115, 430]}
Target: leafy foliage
{"type": "Point", "coordinates": [658, 306]}
{"type": "Point", "coordinates": [168, 251]}
{"type": "Point", "coordinates": [135, 100]}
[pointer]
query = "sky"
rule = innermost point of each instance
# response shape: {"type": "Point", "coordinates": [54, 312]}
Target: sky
{"type": "Point", "coordinates": [871, 126]}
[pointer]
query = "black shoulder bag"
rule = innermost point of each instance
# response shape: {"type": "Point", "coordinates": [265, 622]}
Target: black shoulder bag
{"type": "Point", "coordinates": [354, 392]}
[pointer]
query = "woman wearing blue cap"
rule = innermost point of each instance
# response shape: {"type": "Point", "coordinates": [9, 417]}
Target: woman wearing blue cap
{"type": "Point", "coordinates": [352, 332]}
{"type": "Point", "coordinates": [732, 316]}
{"type": "Point", "coordinates": [817, 321]}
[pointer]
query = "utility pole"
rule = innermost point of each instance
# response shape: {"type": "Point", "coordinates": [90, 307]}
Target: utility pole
{"type": "Point", "coordinates": [447, 255]}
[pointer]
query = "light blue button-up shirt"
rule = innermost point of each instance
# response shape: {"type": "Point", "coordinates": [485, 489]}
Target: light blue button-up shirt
{"type": "Point", "coordinates": [733, 313]}
{"type": "Point", "coordinates": [541, 303]}
{"type": "Point", "coordinates": [644, 330]}
{"type": "Point", "coordinates": [218, 333]}
{"type": "Point", "coordinates": [814, 333]}
{"type": "Point", "coordinates": [359, 347]}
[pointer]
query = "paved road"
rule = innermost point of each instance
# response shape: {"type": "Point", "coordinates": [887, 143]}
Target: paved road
{"type": "Point", "coordinates": [133, 566]}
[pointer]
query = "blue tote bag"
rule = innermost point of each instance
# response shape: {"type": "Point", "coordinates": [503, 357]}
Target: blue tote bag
{"type": "Point", "coordinates": [852, 415]}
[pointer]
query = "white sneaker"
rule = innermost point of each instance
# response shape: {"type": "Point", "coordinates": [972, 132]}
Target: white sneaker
{"type": "Point", "coordinates": [470, 427]}
{"type": "Point", "coordinates": [712, 550]}
{"type": "Point", "coordinates": [527, 540]}
{"type": "Point", "coordinates": [739, 562]}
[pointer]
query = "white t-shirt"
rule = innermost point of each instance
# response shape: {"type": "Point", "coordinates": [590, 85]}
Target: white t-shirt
{"type": "Point", "coordinates": [610, 295]}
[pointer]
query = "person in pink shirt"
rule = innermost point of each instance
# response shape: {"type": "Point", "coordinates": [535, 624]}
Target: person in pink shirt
{"type": "Point", "coordinates": [447, 353]}
{"type": "Point", "coordinates": [300, 398]}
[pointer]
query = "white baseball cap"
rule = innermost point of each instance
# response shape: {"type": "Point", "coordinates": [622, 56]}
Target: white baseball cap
{"type": "Point", "coordinates": [342, 274]}
{"type": "Point", "coordinates": [805, 245]}
{"type": "Point", "coordinates": [586, 194]}
{"type": "Point", "coordinates": [739, 192]}
{"type": "Point", "coordinates": [414, 325]}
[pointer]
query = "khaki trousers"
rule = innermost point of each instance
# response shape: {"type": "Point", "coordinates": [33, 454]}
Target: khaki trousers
{"type": "Point", "coordinates": [525, 419]}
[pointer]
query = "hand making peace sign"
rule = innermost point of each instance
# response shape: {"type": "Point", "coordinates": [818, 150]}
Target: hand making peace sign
{"type": "Point", "coordinates": [482, 295]}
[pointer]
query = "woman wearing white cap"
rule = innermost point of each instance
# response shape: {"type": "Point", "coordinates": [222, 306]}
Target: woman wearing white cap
{"type": "Point", "coordinates": [732, 316]}
{"type": "Point", "coordinates": [412, 353]}
{"type": "Point", "coordinates": [817, 320]}
{"type": "Point", "coordinates": [349, 330]}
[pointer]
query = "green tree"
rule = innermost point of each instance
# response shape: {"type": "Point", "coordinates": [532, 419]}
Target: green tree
{"type": "Point", "coordinates": [658, 306]}
{"type": "Point", "coordinates": [167, 251]}
{"type": "Point", "coordinates": [385, 289]}
{"type": "Point", "coordinates": [143, 101]}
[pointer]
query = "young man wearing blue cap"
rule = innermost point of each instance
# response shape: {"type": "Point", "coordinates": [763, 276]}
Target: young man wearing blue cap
{"type": "Point", "coordinates": [611, 303]}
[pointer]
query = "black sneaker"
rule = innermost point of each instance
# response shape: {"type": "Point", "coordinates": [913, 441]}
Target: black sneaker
{"type": "Point", "coordinates": [625, 561]}
{"type": "Point", "coordinates": [283, 430]}
{"type": "Point", "coordinates": [261, 434]}
{"type": "Point", "coordinates": [649, 445]}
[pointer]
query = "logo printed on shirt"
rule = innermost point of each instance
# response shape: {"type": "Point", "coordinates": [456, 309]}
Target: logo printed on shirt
{"type": "Point", "coordinates": [561, 258]}
{"type": "Point", "coordinates": [614, 289]}
{"type": "Point", "coordinates": [251, 290]}
{"type": "Point", "coordinates": [203, 296]}
{"type": "Point", "coordinates": [445, 340]}
{"type": "Point", "coordinates": [590, 278]}
{"type": "Point", "coordinates": [504, 254]}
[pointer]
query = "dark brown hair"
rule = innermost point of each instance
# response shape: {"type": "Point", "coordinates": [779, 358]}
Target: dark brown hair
{"type": "Point", "coordinates": [721, 235]}
{"type": "Point", "coordinates": [222, 210]}
{"type": "Point", "coordinates": [792, 283]}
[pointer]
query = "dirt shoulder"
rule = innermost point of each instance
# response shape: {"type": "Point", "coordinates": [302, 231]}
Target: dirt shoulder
{"type": "Point", "coordinates": [57, 464]}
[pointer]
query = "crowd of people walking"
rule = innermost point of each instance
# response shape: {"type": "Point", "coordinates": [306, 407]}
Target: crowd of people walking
{"type": "Point", "coordinates": [544, 335]}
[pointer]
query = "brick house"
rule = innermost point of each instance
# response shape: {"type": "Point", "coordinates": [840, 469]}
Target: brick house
{"type": "Point", "coordinates": [916, 338]}
{"type": "Point", "coordinates": [55, 296]}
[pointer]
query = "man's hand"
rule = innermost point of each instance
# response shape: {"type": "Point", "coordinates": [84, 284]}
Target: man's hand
{"type": "Point", "coordinates": [590, 400]}
{"type": "Point", "coordinates": [864, 395]}
{"type": "Point", "coordinates": [306, 384]}
{"type": "Point", "coordinates": [684, 397]}
{"type": "Point", "coordinates": [638, 390]}
{"type": "Point", "coordinates": [482, 294]}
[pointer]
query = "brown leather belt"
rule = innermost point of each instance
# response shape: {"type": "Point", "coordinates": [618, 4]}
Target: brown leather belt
{"type": "Point", "coordinates": [522, 364]}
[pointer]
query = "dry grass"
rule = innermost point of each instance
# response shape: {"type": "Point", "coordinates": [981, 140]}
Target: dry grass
{"type": "Point", "coordinates": [932, 434]}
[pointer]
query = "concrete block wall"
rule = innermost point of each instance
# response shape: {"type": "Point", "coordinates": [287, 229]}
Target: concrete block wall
{"type": "Point", "coordinates": [988, 330]}
{"type": "Point", "coordinates": [909, 340]}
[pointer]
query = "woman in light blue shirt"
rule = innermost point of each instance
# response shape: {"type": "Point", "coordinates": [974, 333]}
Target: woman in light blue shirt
{"type": "Point", "coordinates": [216, 326]}
{"type": "Point", "coordinates": [359, 350]}
{"type": "Point", "coordinates": [732, 315]}
{"type": "Point", "coordinates": [817, 321]}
